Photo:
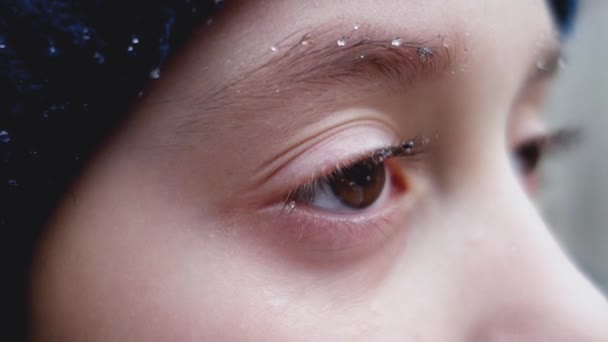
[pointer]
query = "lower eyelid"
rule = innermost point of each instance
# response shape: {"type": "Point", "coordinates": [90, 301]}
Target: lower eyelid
{"type": "Point", "coordinates": [318, 233]}
{"type": "Point", "coordinates": [312, 232]}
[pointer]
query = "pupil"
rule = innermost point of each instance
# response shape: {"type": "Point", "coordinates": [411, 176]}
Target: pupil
{"type": "Point", "coordinates": [360, 185]}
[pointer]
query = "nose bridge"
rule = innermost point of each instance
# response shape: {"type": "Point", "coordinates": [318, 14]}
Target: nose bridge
{"type": "Point", "coordinates": [532, 291]}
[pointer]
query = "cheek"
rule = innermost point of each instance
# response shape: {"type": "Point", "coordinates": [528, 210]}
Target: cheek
{"type": "Point", "coordinates": [127, 281]}
{"type": "Point", "coordinates": [171, 277]}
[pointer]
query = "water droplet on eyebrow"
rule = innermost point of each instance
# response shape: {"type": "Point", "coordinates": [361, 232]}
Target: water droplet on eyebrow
{"type": "Point", "coordinates": [362, 56]}
{"type": "Point", "coordinates": [397, 42]}
{"type": "Point", "coordinates": [424, 53]}
{"type": "Point", "coordinates": [274, 49]}
{"type": "Point", "coordinates": [542, 65]}
{"type": "Point", "coordinates": [5, 138]}
{"type": "Point", "coordinates": [341, 41]}
{"type": "Point", "coordinates": [155, 74]}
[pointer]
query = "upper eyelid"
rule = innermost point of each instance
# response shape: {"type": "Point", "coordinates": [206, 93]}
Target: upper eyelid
{"type": "Point", "coordinates": [407, 148]}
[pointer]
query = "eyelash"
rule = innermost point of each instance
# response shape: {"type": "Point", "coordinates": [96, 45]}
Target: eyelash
{"type": "Point", "coordinates": [406, 149]}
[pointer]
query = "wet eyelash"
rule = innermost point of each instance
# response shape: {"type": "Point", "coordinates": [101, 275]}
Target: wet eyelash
{"type": "Point", "coordinates": [408, 148]}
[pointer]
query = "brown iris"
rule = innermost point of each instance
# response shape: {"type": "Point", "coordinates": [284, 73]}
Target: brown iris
{"type": "Point", "coordinates": [359, 185]}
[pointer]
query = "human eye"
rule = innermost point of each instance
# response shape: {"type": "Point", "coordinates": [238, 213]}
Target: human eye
{"type": "Point", "coordinates": [355, 186]}
{"type": "Point", "coordinates": [354, 204]}
{"type": "Point", "coordinates": [527, 156]}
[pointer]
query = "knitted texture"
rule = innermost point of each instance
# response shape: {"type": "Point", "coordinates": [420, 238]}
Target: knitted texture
{"type": "Point", "coordinates": [69, 71]}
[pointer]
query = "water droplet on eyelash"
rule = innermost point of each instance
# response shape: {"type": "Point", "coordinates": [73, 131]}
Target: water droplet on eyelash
{"type": "Point", "coordinates": [356, 27]}
{"type": "Point", "coordinates": [305, 42]}
{"type": "Point", "coordinates": [397, 42]}
{"type": "Point", "coordinates": [130, 48]}
{"type": "Point", "coordinates": [155, 74]}
{"type": "Point", "coordinates": [135, 40]}
{"type": "Point", "coordinates": [408, 146]}
{"type": "Point", "coordinates": [274, 49]}
{"type": "Point", "coordinates": [362, 56]}
{"type": "Point", "coordinates": [291, 205]}
{"type": "Point", "coordinates": [368, 178]}
{"type": "Point", "coordinates": [424, 54]}
{"type": "Point", "coordinates": [209, 22]}
{"type": "Point", "coordinates": [2, 46]}
{"type": "Point", "coordinates": [352, 184]}
{"type": "Point", "coordinates": [341, 41]}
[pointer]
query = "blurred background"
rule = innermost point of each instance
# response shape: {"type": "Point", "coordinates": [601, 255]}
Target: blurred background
{"type": "Point", "coordinates": [575, 194]}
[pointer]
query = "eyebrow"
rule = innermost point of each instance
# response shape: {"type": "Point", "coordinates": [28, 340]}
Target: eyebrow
{"type": "Point", "coordinates": [309, 65]}
{"type": "Point", "coordinates": [548, 64]}
{"type": "Point", "coordinates": [321, 59]}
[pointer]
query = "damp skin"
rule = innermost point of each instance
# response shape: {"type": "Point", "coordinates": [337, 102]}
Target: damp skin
{"type": "Point", "coordinates": [178, 230]}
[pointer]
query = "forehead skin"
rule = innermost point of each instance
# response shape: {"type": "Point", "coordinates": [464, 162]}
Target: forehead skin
{"type": "Point", "coordinates": [155, 243]}
{"type": "Point", "coordinates": [494, 45]}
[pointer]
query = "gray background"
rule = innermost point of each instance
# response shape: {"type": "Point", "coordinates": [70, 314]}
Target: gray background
{"type": "Point", "coordinates": [575, 188]}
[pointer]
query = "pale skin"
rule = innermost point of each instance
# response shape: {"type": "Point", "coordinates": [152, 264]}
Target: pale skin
{"type": "Point", "coordinates": [178, 230]}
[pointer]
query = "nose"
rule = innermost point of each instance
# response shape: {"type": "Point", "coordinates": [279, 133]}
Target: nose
{"type": "Point", "coordinates": [533, 291]}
